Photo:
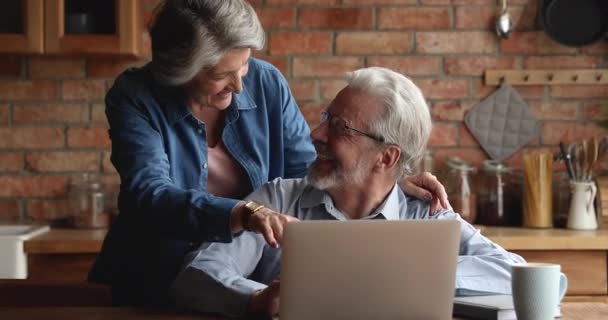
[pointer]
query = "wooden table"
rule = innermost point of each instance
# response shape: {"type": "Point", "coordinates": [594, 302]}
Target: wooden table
{"type": "Point", "coordinates": [570, 311]}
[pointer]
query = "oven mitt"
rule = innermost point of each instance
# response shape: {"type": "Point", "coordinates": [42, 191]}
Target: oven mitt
{"type": "Point", "coordinates": [502, 123]}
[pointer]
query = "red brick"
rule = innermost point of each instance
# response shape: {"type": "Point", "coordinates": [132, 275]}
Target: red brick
{"type": "Point", "coordinates": [109, 68]}
{"type": "Point", "coordinates": [303, 89]}
{"type": "Point", "coordinates": [600, 47]}
{"type": "Point", "coordinates": [553, 132]}
{"type": "Point", "coordinates": [408, 65]}
{"type": "Point", "coordinates": [11, 161]}
{"type": "Point", "coordinates": [481, 90]}
{"type": "Point", "coordinates": [106, 163]}
{"type": "Point", "coordinates": [579, 91]}
{"type": "Point", "coordinates": [595, 110]}
{"type": "Point", "coordinates": [563, 62]}
{"type": "Point", "coordinates": [475, 17]}
{"type": "Point", "coordinates": [443, 88]}
{"type": "Point", "coordinates": [300, 42]}
{"type": "Point", "coordinates": [88, 137]}
{"type": "Point", "coordinates": [331, 87]}
{"type": "Point", "coordinates": [276, 17]}
{"type": "Point", "coordinates": [28, 90]}
{"type": "Point", "coordinates": [556, 110]}
{"type": "Point", "coordinates": [312, 113]}
{"type": "Point", "coordinates": [302, 2]}
{"type": "Point", "coordinates": [353, 43]}
{"type": "Point", "coordinates": [484, 17]}
{"type": "Point", "coordinates": [325, 67]}
{"type": "Point", "coordinates": [110, 182]}
{"type": "Point", "coordinates": [31, 137]}
{"type": "Point", "coordinates": [377, 2]}
{"type": "Point", "coordinates": [456, 42]}
{"type": "Point", "coordinates": [32, 186]}
{"type": "Point", "coordinates": [50, 113]}
{"type": "Point", "coordinates": [62, 161]}
{"type": "Point", "coordinates": [443, 134]}
{"type": "Point", "coordinates": [98, 113]}
{"type": "Point", "coordinates": [534, 43]}
{"type": "Point", "coordinates": [5, 113]}
{"type": "Point", "coordinates": [83, 89]}
{"type": "Point", "coordinates": [335, 18]}
{"type": "Point", "coordinates": [45, 67]}
{"type": "Point", "coordinates": [475, 66]}
{"type": "Point", "coordinates": [48, 209]}
{"type": "Point", "coordinates": [450, 110]}
{"type": "Point", "coordinates": [475, 156]}
{"type": "Point", "coordinates": [466, 137]}
{"type": "Point", "coordinates": [11, 66]}
{"type": "Point", "coordinates": [413, 18]}
{"type": "Point", "coordinates": [9, 210]}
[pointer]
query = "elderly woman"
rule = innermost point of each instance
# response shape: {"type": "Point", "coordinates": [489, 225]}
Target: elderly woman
{"type": "Point", "coordinates": [195, 130]}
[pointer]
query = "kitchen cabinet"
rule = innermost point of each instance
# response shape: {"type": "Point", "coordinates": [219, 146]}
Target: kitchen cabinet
{"type": "Point", "coordinates": [68, 27]}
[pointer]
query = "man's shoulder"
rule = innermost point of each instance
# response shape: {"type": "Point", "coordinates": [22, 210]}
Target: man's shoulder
{"type": "Point", "coordinates": [412, 207]}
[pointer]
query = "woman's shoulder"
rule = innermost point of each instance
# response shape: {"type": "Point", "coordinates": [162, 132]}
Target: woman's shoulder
{"type": "Point", "coordinates": [132, 80]}
{"type": "Point", "coordinates": [261, 68]}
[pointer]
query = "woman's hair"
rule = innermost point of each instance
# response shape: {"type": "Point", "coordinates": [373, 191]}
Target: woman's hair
{"type": "Point", "coordinates": [189, 35]}
{"type": "Point", "coordinates": [406, 120]}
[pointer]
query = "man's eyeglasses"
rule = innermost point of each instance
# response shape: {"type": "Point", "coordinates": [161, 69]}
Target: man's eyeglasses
{"type": "Point", "coordinates": [338, 127]}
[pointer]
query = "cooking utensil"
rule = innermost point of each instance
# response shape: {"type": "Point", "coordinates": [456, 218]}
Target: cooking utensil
{"type": "Point", "coordinates": [574, 23]}
{"type": "Point", "coordinates": [504, 23]}
{"type": "Point", "coordinates": [567, 160]}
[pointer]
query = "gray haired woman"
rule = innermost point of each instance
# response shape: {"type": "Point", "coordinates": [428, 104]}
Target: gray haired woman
{"type": "Point", "coordinates": [193, 132]}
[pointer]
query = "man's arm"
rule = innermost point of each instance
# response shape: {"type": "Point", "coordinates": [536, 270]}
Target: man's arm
{"type": "Point", "coordinates": [216, 279]}
{"type": "Point", "coordinates": [483, 266]}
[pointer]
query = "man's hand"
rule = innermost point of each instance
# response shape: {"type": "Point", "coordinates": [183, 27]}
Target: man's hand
{"type": "Point", "coordinates": [267, 300]}
{"type": "Point", "coordinates": [425, 186]}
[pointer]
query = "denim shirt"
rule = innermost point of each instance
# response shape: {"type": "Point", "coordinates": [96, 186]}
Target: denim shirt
{"type": "Point", "coordinates": [160, 151]}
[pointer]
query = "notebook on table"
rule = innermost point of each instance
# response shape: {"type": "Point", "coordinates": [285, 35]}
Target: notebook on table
{"type": "Point", "coordinates": [491, 307]}
{"type": "Point", "coordinates": [369, 269]}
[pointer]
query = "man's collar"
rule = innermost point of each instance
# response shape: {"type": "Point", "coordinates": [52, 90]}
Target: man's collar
{"type": "Point", "coordinates": [313, 197]}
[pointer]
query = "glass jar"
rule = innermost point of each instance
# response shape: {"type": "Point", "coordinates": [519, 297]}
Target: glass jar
{"type": "Point", "coordinates": [460, 190]}
{"type": "Point", "coordinates": [494, 197]}
{"type": "Point", "coordinates": [86, 201]}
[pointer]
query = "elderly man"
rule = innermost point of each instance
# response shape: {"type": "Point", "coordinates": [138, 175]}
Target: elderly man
{"type": "Point", "coordinates": [370, 136]}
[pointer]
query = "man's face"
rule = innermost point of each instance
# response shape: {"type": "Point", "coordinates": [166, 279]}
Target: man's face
{"type": "Point", "coordinates": [213, 87]}
{"type": "Point", "coordinates": [345, 156]}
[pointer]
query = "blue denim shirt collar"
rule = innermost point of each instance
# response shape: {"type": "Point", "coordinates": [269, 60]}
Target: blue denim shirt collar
{"type": "Point", "coordinates": [176, 107]}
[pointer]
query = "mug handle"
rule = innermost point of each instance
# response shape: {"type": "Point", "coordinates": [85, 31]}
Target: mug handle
{"type": "Point", "coordinates": [563, 285]}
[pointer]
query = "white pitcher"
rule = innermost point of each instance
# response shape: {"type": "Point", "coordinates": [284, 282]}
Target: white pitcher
{"type": "Point", "coordinates": [582, 212]}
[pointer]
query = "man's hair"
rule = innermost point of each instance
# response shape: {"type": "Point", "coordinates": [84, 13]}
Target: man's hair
{"type": "Point", "coordinates": [190, 35]}
{"type": "Point", "coordinates": [406, 120]}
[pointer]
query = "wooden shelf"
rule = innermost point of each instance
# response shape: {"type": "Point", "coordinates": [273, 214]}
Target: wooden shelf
{"type": "Point", "coordinates": [547, 77]}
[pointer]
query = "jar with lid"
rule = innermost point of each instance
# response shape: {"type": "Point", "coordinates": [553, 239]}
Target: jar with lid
{"type": "Point", "coordinates": [496, 201]}
{"type": "Point", "coordinates": [460, 189]}
{"type": "Point", "coordinates": [86, 201]}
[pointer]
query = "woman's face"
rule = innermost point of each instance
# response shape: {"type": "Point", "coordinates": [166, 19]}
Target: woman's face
{"type": "Point", "coordinates": [213, 87]}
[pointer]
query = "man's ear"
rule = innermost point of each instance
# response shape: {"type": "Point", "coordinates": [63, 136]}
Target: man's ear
{"type": "Point", "coordinates": [390, 157]}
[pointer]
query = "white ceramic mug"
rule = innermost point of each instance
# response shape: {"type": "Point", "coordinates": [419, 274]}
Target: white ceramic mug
{"type": "Point", "coordinates": [537, 289]}
{"type": "Point", "coordinates": [582, 213]}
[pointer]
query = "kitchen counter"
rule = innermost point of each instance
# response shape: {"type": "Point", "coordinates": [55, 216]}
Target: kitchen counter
{"type": "Point", "coordinates": [66, 255]}
{"type": "Point", "coordinates": [89, 241]}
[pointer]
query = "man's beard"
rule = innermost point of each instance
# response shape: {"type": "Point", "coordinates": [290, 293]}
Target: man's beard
{"type": "Point", "coordinates": [339, 176]}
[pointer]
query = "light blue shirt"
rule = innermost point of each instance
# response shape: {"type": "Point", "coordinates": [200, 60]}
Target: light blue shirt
{"type": "Point", "coordinates": [220, 278]}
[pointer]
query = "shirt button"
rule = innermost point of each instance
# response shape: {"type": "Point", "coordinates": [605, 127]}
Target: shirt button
{"type": "Point", "coordinates": [200, 131]}
{"type": "Point", "coordinates": [205, 165]}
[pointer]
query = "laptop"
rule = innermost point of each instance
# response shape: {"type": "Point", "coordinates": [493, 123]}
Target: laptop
{"type": "Point", "coordinates": [374, 269]}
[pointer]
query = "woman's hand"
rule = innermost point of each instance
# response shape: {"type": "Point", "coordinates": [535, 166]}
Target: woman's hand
{"type": "Point", "coordinates": [266, 221]}
{"type": "Point", "coordinates": [425, 186]}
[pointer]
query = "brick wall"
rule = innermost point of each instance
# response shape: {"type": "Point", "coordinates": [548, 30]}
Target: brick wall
{"type": "Point", "coordinates": [52, 124]}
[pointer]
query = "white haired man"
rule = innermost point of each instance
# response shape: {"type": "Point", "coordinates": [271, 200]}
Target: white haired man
{"type": "Point", "coordinates": [369, 137]}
